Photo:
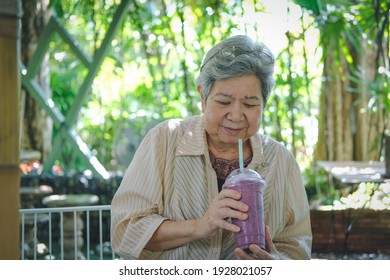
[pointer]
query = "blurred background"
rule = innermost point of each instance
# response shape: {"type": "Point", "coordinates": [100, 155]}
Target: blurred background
{"type": "Point", "coordinates": [96, 75]}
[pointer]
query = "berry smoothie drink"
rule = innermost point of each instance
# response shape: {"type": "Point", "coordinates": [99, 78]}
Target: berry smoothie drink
{"type": "Point", "coordinates": [250, 185]}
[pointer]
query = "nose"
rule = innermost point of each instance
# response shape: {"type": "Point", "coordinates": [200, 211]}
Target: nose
{"type": "Point", "coordinates": [236, 113]}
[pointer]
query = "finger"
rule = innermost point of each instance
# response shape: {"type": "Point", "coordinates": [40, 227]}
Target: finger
{"type": "Point", "coordinates": [224, 220]}
{"type": "Point", "coordinates": [229, 226]}
{"type": "Point", "coordinates": [228, 193]}
{"type": "Point", "coordinates": [242, 255]}
{"type": "Point", "coordinates": [226, 202]}
{"type": "Point", "coordinates": [232, 213]}
{"type": "Point", "coordinates": [260, 253]}
{"type": "Point", "coordinates": [221, 219]}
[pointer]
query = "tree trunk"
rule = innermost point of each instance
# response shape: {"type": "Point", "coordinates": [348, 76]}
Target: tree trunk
{"type": "Point", "coordinates": [348, 130]}
{"type": "Point", "coordinates": [334, 135]}
{"type": "Point", "coordinates": [37, 125]}
{"type": "Point", "coordinates": [370, 122]}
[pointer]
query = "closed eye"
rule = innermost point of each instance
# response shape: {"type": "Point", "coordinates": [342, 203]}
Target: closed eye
{"type": "Point", "coordinates": [223, 103]}
{"type": "Point", "coordinates": [251, 105]}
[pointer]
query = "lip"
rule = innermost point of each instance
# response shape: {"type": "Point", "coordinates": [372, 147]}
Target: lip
{"type": "Point", "coordinates": [232, 130]}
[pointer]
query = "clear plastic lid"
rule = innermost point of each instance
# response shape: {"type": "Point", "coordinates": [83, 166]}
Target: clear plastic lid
{"type": "Point", "coordinates": [246, 173]}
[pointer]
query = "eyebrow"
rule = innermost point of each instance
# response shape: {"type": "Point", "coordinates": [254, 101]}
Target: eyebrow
{"type": "Point", "coordinates": [254, 97]}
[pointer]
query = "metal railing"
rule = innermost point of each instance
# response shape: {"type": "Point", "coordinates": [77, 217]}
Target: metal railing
{"type": "Point", "coordinates": [81, 232]}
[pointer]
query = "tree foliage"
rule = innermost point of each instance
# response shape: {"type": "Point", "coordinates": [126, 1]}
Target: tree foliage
{"type": "Point", "coordinates": [355, 97]}
{"type": "Point", "coordinates": [150, 70]}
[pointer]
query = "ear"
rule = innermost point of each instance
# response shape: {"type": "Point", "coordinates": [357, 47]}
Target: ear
{"type": "Point", "coordinates": [201, 97]}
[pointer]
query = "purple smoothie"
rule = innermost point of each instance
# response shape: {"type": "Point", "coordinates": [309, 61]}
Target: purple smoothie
{"type": "Point", "coordinates": [250, 185]}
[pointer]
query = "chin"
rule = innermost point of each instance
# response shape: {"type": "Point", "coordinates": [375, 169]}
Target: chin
{"type": "Point", "coordinates": [232, 139]}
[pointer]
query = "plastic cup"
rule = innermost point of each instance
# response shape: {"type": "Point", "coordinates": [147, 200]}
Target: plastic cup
{"type": "Point", "coordinates": [252, 230]}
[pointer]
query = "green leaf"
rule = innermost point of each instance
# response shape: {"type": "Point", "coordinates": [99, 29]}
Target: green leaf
{"type": "Point", "coordinates": [311, 5]}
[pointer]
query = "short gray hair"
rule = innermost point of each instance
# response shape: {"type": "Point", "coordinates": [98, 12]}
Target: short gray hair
{"type": "Point", "coordinates": [235, 57]}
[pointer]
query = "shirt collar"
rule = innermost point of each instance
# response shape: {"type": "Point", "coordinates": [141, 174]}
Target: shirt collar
{"type": "Point", "coordinates": [194, 140]}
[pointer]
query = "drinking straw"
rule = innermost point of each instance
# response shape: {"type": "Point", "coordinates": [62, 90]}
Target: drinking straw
{"type": "Point", "coordinates": [240, 155]}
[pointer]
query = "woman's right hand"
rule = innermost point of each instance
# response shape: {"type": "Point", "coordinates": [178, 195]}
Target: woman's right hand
{"type": "Point", "coordinates": [225, 205]}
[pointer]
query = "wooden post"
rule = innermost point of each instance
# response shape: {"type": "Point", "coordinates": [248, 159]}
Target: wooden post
{"type": "Point", "coordinates": [9, 129]}
{"type": "Point", "coordinates": [387, 156]}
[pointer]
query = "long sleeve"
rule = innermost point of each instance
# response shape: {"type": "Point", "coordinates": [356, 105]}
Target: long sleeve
{"type": "Point", "coordinates": [294, 242]}
{"type": "Point", "coordinates": [286, 207]}
{"type": "Point", "coordinates": [137, 205]}
{"type": "Point", "coordinates": [167, 179]}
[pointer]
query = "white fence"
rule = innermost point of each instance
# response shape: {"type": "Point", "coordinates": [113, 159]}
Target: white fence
{"type": "Point", "coordinates": [81, 232]}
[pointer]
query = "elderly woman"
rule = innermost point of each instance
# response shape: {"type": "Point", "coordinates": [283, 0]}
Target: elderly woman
{"type": "Point", "coordinates": [171, 205]}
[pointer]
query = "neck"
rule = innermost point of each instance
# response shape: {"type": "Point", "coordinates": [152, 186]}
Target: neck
{"type": "Point", "coordinates": [229, 152]}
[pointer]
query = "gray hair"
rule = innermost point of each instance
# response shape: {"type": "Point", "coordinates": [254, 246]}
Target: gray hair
{"type": "Point", "coordinates": [235, 57]}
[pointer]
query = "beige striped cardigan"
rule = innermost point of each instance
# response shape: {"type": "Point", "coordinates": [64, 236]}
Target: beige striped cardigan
{"type": "Point", "coordinates": [171, 177]}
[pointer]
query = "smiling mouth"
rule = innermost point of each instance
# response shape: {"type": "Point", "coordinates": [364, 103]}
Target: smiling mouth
{"type": "Point", "coordinates": [232, 130]}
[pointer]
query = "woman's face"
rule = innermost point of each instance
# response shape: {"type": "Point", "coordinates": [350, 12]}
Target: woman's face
{"type": "Point", "coordinates": [233, 110]}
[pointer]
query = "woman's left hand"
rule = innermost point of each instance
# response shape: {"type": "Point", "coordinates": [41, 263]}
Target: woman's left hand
{"type": "Point", "coordinates": [257, 253]}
